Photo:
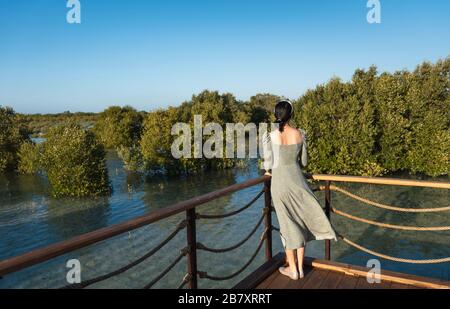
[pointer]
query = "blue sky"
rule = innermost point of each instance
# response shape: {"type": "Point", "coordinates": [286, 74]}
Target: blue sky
{"type": "Point", "coordinates": [151, 54]}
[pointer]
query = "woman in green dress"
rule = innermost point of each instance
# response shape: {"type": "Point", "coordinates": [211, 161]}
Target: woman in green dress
{"type": "Point", "coordinates": [298, 210]}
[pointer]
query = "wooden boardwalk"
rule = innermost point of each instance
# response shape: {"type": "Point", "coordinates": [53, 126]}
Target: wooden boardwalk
{"type": "Point", "coordinates": [321, 274]}
{"type": "Point", "coordinates": [325, 279]}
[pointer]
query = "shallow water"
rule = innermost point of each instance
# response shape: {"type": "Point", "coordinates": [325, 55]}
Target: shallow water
{"type": "Point", "coordinates": [30, 219]}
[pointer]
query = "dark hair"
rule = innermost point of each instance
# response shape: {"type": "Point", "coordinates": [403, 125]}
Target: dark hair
{"type": "Point", "coordinates": [283, 112]}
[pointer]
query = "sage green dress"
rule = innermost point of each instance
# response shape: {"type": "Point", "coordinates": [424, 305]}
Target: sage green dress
{"type": "Point", "coordinates": [300, 216]}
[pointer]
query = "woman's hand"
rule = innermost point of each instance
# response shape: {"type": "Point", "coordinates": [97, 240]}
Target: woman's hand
{"type": "Point", "coordinates": [267, 173]}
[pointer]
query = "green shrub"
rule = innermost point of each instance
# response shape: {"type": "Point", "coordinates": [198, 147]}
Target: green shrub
{"type": "Point", "coordinates": [373, 124]}
{"type": "Point", "coordinates": [393, 120]}
{"type": "Point", "coordinates": [119, 126]}
{"type": "Point", "coordinates": [156, 141]}
{"type": "Point", "coordinates": [29, 158]}
{"type": "Point", "coordinates": [40, 124]}
{"type": "Point", "coordinates": [340, 122]}
{"type": "Point", "coordinates": [13, 133]}
{"type": "Point", "coordinates": [380, 123]}
{"type": "Point", "coordinates": [262, 107]}
{"type": "Point", "coordinates": [428, 98]}
{"type": "Point", "coordinates": [74, 162]}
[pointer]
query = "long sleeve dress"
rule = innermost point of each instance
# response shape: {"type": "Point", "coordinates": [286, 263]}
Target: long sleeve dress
{"type": "Point", "coordinates": [299, 213]}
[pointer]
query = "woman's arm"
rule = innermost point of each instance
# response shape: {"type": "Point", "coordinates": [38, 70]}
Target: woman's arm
{"type": "Point", "coordinates": [267, 154]}
{"type": "Point", "coordinates": [304, 148]}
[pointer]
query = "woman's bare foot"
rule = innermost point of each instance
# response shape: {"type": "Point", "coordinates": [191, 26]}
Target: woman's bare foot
{"type": "Point", "coordinates": [300, 270]}
{"type": "Point", "coordinates": [293, 274]}
{"type": "Point", "coordinates": [300, 256]}
{"type": "Point", "coordinates": [300, 273]}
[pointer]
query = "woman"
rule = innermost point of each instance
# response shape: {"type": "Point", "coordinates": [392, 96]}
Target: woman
{"type": "Point", "coordinates": [299, 213]}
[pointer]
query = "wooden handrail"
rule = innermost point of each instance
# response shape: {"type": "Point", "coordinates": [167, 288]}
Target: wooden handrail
{"type": "Point", "coordinates": [43, 254]}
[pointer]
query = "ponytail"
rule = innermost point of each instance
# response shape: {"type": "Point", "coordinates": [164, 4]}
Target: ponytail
{"type": "Point", "coordinates": [283, 113]}
{"type": "Point", "coordinates": [281, 124]}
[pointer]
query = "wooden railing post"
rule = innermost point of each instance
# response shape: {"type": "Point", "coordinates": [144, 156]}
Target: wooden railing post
{"type": "Point", "coordinates": [327, 213]}
{"type": "Point", "coordinates": [192, 247]}
{"type": "Point", "coordinates": [268, 219]}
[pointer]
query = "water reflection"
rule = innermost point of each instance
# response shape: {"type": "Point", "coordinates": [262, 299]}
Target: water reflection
{"type": "Point", "coordinates": [67, 217]}
{"type": "Point", "coordinates": [162, 191]}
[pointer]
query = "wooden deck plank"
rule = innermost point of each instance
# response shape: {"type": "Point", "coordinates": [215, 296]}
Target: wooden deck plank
{"type": "Point", "coordinates": [267, 282]}
{"type": "Point", "coordinates": [384, 284]}
{"type": "Point", "coordinates": [315, 278]}
{"type": "Point", "coordinates": [418, 281]}
{"type": "Point", "coordinates": [299, 284]}
{"type": "Point", "coordinates": [332, 280]}
{"type": "Point", "coordinates": [261, 273]}
{"type": "Point", "coordinates": [396, 285]}
{"type": "Point", "coordinates": [347, 282]}
{"type": "Point", "coordinates": [280, 282]}
{"type": "Point", "coordinates": [332, 275]}
{"type": "Point", "coordinates": [364, 284]}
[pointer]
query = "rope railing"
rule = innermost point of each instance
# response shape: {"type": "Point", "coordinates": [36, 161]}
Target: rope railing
{"type": "Point", "coordinates": [392, 258]}
{"type": "Point", "coordinates": [384, 206]}
{"type": "Point", "coordinates": [210, 216]}
{"type": "Point", "coordinates": [201, 246]}
{"type": "Point", "coordinates": [387, 225]}
{"type": "Point", "coordinates": [204, 274]}
{"type": "Point", "coordinates": [123, 269]}
{"type": "Point", "coordinates": [182, 225]}
{"type": "Point", "coordinates": [183, 253]}
{"type": "Point", "coordinates": [189, 206]}
{"type": "Point", "coordinates": [390, 226]}
{"type": "Point", "coordinates": [186, 279]}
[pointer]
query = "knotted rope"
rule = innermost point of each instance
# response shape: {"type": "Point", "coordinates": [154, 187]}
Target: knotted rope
{"type": "Point", "coordinates": [86, 283]}
{"type": "Point", "coordinates": [183, 252]}
{"type": "Point", "coordinates": [383, 206]}
{"type": "Point", "coordinates": [186, 279]}
{"type": "Point", "coordinates": [390, 226]}
{"type": "Point", "coordinates": [201, 246]}
{"type": "Point", "coordinates": [387, 225]}
{"type": "Point", "coordinates": [204, 274]}
{"type": "Point", "coordinates": [392, 258]}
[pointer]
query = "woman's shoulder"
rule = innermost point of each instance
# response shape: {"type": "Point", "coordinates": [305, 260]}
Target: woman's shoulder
{"type": "Point", "coordinates": [303, 131]}
{"type": "Point", "coordinates": [301, 134]}
{"type": "Point", "coordinates": [297, 131]}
